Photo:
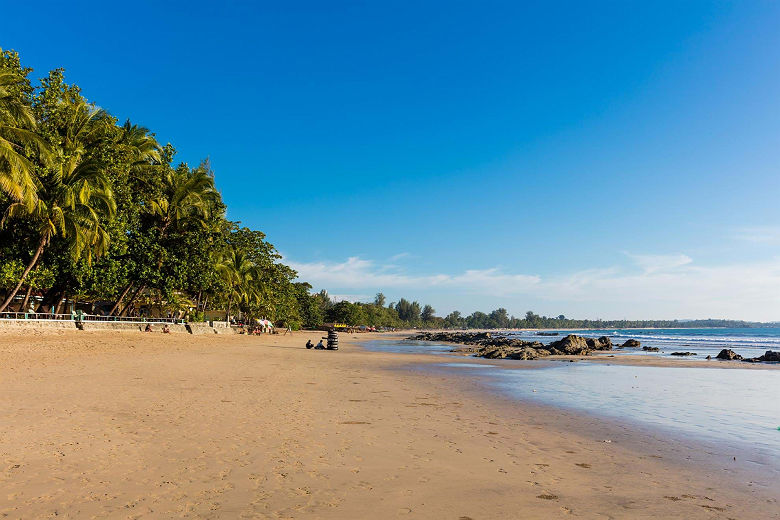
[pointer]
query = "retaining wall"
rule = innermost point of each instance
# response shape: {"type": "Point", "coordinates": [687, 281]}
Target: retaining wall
{"type": "Point", "coordinates": [53, 325]}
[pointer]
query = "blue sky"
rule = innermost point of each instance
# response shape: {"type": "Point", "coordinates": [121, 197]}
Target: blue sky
{"type": "Point", "coordinates": [600, 159]}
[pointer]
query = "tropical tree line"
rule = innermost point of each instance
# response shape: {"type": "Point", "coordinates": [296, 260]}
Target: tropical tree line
{"type": "Point", "coordinates": [97, 210]}
{"type": "Point", "coordinates": [411, 314]}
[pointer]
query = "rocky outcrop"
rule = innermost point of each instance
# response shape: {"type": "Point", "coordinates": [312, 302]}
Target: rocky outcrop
{"type": "Point", "coordinates": [728, 354]}
{"type": "Point", "coordinates": [683, 353]}
{"type": "Point", "coordinates": [651, 349]}
{"type": "Point", "coordinates": [602, 343]}
{"type": "Point", "coordinates": [770, 356]}
{"type": "Point", "coordinates": [571, 345]}
{"type": "Point", "coordinates": [631, 343]}
{"type": "Point", "coordinates": [488, 346]}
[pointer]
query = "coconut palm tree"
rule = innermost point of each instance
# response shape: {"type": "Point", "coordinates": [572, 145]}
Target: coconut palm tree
{"type": "Point", "coordinates": [17, 132]}
{"type": "Point", "coordinates": [145, 152]}
{"type": "Point", "coordinates": [74, 197]}
{"type": "Point", "coordinates": [185, 201]}
{"type": "Point", "coordinates": [71, 206]}
{"type": "Point", "coordinates": [238, 273]}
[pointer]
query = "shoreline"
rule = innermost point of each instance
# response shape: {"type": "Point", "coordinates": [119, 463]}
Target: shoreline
{"type": "Point", "coordinates": [213, 426]}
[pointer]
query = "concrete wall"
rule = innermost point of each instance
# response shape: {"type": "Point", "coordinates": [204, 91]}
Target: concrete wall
{"type": "Point", "coordinates": [21, 325]}
{"type": "Point", "coordinates": [52, 325]}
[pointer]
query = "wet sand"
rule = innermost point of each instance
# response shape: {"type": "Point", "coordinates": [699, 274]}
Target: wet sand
{"type": "Point", "coordinates": [133, 425]}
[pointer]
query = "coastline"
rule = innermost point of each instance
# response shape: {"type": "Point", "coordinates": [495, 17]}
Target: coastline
{"type": "Point", "coordinates": [149, 425]}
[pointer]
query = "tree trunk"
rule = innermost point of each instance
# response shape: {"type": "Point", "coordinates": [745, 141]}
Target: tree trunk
{"type": "Point", "coordinates": [60, 297]}
{"type": "Point", "coordinates": [26, 298]}
{"type": "Point", "coordinates": [132, 299]}
{"type": "Point", "coordinates": [119, 300]}
{"type": "Point", "coordinates": [32, 263]}
{"type": "Point", "coordinates": [227, 314]}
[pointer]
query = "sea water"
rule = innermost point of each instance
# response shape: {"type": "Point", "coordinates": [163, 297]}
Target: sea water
{"type": "Point", "coordinates": [735, 406]}
{"type": "Point", "coordinates": [747, 342]}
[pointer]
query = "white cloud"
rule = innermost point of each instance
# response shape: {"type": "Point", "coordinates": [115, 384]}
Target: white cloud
{"type": "Point", "coordinates": [400, 256]}
{"type": "Point", "coordinates": [356, 273]}
{"type": "Point", "coordinates": [655, 263]}
{"type": "Point", "coordinates": [665, 286]}
{"type": "Point", "coordinates": [758, 234]}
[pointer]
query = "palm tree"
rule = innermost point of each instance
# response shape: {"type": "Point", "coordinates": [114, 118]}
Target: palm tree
{"type": "Point", "coordinates": [145, 152]}
{"type": "Point", "coordinates": [238, 273]}
{"type": "Point", "coordinates": [17, 132]}
{"type": "Point", "coordinates": [74, 197]}
{"type": "Point", "coordinates": [185, 201]}
{"type": "Point", "coordinates": [145, 156]}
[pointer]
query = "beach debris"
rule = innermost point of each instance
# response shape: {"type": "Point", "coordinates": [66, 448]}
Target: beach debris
{"type": "Point", "coordinates": [608, 441]}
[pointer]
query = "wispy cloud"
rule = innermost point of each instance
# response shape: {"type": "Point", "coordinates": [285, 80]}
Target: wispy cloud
{"type": "Point", "coordinates": [655, 263]}
{"type": "Point", "coordinates": [650, 285]}
{"type": "Point", "coordinates": [758, 234]}
{"type": "Point", "coordinates": [357, 273]}
{"type": "Point", "coordinates": [400, 256]}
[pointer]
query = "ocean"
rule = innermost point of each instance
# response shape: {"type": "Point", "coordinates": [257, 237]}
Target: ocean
{"type": "Point", "coordinates": [702, 342]}
{"type": "Point", "coordinates": [736, 407]}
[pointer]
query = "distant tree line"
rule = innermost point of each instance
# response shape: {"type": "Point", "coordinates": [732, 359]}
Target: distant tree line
{"type": "Point", "coordinates": [411, 314]}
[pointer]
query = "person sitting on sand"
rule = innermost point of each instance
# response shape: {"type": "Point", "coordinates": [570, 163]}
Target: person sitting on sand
{"type": "Point", "coordinates": [166, 329]}
{"type": "Point", "coordinates": [319, 346]}
{"type": "Point", "coordinates": [309, 344]}
{"type": "Point", "coordinates": [148, 327]}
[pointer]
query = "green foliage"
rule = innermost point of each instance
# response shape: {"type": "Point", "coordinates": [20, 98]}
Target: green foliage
{"type": "Point", "coordinates": [99, 210]}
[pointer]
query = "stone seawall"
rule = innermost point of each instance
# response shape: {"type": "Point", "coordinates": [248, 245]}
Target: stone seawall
{"type": "Point", "coordinates": [55, 325]}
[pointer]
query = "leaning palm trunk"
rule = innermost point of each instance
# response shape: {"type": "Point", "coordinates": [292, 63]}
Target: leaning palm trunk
{"type": "Point", "coordinates": [27, 270]}
{"type": "Point", "coordinates": [132, 299]}
{"type": "Point", "coordinates": [26, 298]}
{"type": "Point", "coordinates": [119, 300]}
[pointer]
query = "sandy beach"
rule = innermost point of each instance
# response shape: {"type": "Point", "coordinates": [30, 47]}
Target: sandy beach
{"type": "Point", "coordinates": [133, 425]}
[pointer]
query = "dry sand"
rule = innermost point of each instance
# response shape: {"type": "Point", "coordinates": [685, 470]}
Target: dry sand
{"type": "Point", "coordinates": [133, 425]}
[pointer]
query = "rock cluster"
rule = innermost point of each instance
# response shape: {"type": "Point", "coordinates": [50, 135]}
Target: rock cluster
{"type": "Point", "coordinates": [483, 344]}
{"type": "Point", "coordinates": [729, 354]}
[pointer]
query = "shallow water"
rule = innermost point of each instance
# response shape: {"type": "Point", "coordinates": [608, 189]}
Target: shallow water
{"type": "Point", "coordinates": [739, 407]}
{"type": "Point", "coordinates": [746, 342]}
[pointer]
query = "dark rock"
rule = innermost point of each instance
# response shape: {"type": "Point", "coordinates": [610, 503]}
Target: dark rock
{"type": "Point", "coordinates": [602, 343]}
{"type": "Point", "coordinates": [683, 353]}
{"type": "Point", "coordinates": [631, 343]}
{"type": "Point", "coordinates": [728, 354]}
{"type": "Point", "coordinates": [547, 334]}
{"type": "Point", "coordinates": [651, 349]}
{"type": "Point", "coordinates": [528, 353]}
{"type": "Point", "coordinates": [770, 356]}
{"type": "Point", "coordinates": [571, 344]}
